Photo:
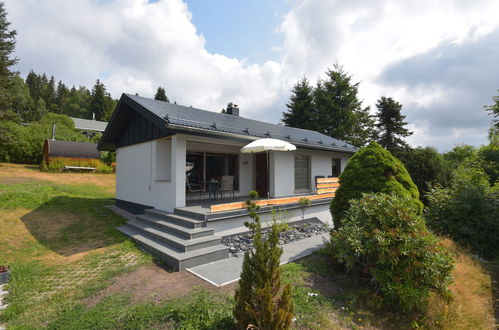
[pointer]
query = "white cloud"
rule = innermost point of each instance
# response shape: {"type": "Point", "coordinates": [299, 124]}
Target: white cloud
{"type": "Point", "coordinates": [135, 46]}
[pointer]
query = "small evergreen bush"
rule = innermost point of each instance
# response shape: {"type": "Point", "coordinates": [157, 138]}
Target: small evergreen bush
{"type": "Point", "coordinates": [261, 301]}
{"type": "Point", "coordinates": [384, 242]}
{"type": "Point", "coordinates": [468, 210]}
{"type": "Point", "coordinates": [373, 169]}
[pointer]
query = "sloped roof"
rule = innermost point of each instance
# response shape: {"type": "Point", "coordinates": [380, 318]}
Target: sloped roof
{"type": "Point", "coordinates": [89, 125]}
{"type": "Point", "coordinates": [72, 149]}
{"type": "Point", "coordinates": [181, 118]}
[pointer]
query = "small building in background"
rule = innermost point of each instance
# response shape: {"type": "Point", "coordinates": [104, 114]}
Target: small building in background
{"type": "Point", "coordinates": [89, 127]}
{"type": "Point", "coordinates": [69, 150]}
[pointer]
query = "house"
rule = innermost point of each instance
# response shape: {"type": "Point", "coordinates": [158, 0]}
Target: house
{"type": "Point", "coordinates": [89, 127]}
{"type": "Point", "coordinates": [171, 159]}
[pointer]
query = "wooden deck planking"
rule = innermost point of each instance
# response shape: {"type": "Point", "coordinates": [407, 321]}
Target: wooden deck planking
{"type": "Point", "coordinates": [266, 202]}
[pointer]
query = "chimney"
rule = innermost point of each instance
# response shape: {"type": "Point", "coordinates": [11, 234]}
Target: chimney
{"type": "Point", "coordinates": [53, 132]}
{"type": "Point", "coordinates": [232, 109]}
{"type": "Point", "coordinates": [93, 115]}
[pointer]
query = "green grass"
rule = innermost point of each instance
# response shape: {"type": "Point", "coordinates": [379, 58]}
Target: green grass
{"type": "Point", "coordinates": [31, 195]}
{"type": "Point", "coordinates": [63, 248]}
{"type": "Point", "coordinates": [202, 310]}
{"type": "Point", "coordinates": [60, 244]}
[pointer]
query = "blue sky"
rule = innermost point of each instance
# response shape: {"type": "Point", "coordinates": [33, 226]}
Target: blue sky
{"type": "Point", "coordinates": [240, 29]}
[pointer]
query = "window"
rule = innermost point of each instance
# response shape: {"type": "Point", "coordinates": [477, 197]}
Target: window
{"type": "Point", "coordinates": [336, 168]}
{"type": "Point", "coordinates": [302, 172]}
{"type": "Point", "coordinates": [163, 160]}
{"type": "Point", "coordinates": [208, 167]}
{"type": "Point", "coordinates": [219, 165]}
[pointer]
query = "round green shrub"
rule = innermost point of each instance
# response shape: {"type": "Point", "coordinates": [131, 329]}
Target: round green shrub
{"type": "Point", "coordinates": [384, 242]}
{"type": "Point", "coordinates": [373, 169]}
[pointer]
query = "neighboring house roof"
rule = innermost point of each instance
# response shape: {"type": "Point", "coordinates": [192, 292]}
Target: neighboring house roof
{"type": "Point", "coordinates": [89, 125]}
{"type": "Point", "coordinates": [171, 118]}
{"type": "Point", "coordinates": [54, 148]}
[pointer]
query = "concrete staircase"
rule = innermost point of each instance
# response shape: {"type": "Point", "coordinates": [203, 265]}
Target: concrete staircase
{"type": "Point", "coordinates": [178, 240]}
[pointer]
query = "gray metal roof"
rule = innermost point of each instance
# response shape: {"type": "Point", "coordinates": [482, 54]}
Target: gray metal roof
{"type": "Point", "coordinates": [177, 116]}
{"type": "Point", "coordinates": [89, 125]}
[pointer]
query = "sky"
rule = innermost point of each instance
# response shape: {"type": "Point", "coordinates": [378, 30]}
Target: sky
{"type": "Point", "coordinates": [439, 58]}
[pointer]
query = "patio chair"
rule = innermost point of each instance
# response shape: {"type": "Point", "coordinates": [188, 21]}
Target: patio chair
{"type": "Point", "coordinates": [227, 185]}
{"type": "Point", "coordinates": [192, 187]}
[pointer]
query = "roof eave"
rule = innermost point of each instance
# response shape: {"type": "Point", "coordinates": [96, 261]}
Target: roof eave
{"type": "Point", "coordinates": [188, 129]}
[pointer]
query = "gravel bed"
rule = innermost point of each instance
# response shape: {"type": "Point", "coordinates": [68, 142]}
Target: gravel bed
{"type": "Point", "coordinates": [238, 244]}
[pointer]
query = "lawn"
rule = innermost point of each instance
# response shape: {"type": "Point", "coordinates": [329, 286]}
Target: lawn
{"type": "Point", "coordinates": [72, 270]}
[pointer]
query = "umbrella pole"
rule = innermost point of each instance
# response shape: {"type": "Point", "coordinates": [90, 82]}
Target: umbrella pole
{"type": "Point", "coordinates": [268, 176]}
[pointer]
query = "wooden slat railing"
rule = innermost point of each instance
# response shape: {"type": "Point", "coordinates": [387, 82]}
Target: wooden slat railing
{"type": "Point", "coordinates": [325, 188]}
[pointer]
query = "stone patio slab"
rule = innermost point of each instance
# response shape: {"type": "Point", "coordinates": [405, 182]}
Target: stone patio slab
{"type": "Point", "coordinates": [222, 272]}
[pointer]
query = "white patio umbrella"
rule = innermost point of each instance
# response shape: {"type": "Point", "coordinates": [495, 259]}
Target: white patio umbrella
{"type": "Point", "coordinates": [267, 145]}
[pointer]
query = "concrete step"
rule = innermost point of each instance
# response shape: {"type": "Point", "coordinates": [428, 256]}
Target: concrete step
{"type": "Point", "coordinates": [176, 219]}
{"type": "Point", "coordinates": [174, 258]}
{"type": "Point", "coordinates": [168, 227]}
{"type": "Point", "coordinates": [190, 214]}
{"type": "Point", "coordinates": [181, 244]}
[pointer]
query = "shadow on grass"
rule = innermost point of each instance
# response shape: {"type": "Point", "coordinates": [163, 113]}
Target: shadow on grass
{"type": "Point", "coordinates": [72, 225]}
{"type": "Point", "coordinates": [354, 303]}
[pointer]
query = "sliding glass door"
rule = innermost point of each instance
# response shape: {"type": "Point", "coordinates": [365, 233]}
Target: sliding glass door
{"type": "Point", "coordinates": [211, 167]}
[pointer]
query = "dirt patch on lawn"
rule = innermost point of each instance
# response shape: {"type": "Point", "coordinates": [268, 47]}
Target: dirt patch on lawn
{"type": "Point", "coordinates": [156, 284]}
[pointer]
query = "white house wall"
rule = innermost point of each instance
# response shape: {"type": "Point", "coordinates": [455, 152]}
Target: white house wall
{"type": "Point", "coordinates": [282, 169]}
{"type": "Point", "coordinates": [137, 173]}
{"type": "Point", "coordinates": [160, 182]}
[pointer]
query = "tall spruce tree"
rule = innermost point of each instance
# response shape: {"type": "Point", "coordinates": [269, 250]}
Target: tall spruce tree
{"type": "Point", "coordinates": [300, 106]}
{"type": "Point", "coordinates": [332, 108]}
{"type": "Point", "coordinates": [99, 105]}
{"type": "Point", "coordinates": [7, 46]}
{"type": "Point", "coordinates": [494, 113]}
{"type": "Point", "coordinates": [49, 96]}
{"type": "Point", "coordinates": [161, 95]}
{"type": "Point", "coordinates": [390, 125]}
{"type": "Point", "coordinates": [339, 111]}
{"type": "Point", "coordinates": [34, 84]}
{"type": "Point", "coordinates": [61, 94]}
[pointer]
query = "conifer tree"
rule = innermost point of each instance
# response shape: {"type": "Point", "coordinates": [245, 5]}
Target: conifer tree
{"type": "Point", "coordinates": [50, 95]}
{"type": "Point", "coordinates": [7, 46]}
{"type": "Point", "coordinates": [332, 107]}
{"type": "Point", "coordinates": [34, 84]}
{"type": "Point", "coordinates": [494, 111]}
{"type": "Point", "coordinates": [300, 106]}
{"type": "Point", "coordinates": [161, 95]}
{"type": "Point", "coordinates": [61, 95]}
{"type": "Point", "coordinates": [391, 125]}
{"type": "Point", "coordinates": [339, 110]}
{"type": "Point", "coordinates": [261, 302]}
{"type": "Point", "coordinates": [100, 103]}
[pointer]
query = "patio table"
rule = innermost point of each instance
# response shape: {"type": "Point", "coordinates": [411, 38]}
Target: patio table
{"type": "Point", "coordinates": [213, 187]}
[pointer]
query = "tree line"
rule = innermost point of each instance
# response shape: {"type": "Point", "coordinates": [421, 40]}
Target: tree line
{"type": "Point", "coordinates": [332, 107]}
{"type": "Point", "coordinates": [29, 107]}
